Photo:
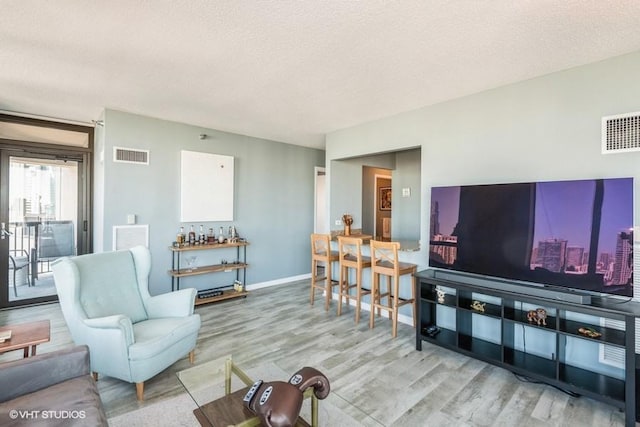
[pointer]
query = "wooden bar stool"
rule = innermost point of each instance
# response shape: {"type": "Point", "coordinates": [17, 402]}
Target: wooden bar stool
{"type": "Point", "coordinates": [384, 261]}
{"type": "Point", "coordinates": [350, 256]}
{"type": "Point", "coordinates": [321, 253]}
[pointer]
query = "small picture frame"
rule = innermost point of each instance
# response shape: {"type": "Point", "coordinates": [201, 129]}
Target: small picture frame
{"type": "Point", "coordinates": [384, 199]}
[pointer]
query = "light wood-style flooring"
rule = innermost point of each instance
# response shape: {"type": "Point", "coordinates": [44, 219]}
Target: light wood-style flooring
{"type": "Point", "coordinates": [386, 378]}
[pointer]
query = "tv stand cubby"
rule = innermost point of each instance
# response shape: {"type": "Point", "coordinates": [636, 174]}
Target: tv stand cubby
{"type": "Point", "coordinates": [495, 332]}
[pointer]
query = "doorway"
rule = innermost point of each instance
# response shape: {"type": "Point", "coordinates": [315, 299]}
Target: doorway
{"type": "Point", "coordinates": [320, 222]}
{"type": "Point", "coordinates": [382, 208]}
{"type": "Point", "coordinates": [44, 215]}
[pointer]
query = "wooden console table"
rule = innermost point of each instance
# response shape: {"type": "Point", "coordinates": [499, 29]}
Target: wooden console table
{"type": "Point", "coordinates": [224, 292]}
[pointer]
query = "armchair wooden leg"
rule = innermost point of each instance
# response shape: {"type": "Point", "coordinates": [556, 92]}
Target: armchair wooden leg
{"type": "Point", "coordinates": [192, 356]}
{"type": "Point", "coordinates": [140, 391]}
{"type": "Point", "coordinates": [95, 376]}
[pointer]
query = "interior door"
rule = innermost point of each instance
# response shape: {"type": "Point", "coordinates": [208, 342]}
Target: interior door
{"type": "Point", "coordinates": [40, 221]}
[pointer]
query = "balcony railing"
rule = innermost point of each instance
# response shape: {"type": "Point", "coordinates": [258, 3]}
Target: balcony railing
{"type": "Point", "coordinates": [42, 242]}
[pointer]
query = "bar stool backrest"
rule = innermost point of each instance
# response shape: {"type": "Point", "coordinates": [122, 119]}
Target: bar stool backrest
{"type": "Point", "coordinates": [384, 258]}
{"type": "Point", "coordinates": [350, 250]}
{"type": "Point", "coordinates": [320, 246]}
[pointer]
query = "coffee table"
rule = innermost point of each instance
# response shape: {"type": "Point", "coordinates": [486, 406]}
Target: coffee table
{"type": "Point", "coordinates": [26, 336]}
{"type": "Point", "coordinates": [218, 386]}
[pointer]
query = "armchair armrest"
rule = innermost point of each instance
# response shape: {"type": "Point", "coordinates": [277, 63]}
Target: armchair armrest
{"type": "Point", "coordinates": [117, 322]}
{"type": "Point", "coordinates": [172, 304]}
{"type": "Point", "coordinates": [24, 376]}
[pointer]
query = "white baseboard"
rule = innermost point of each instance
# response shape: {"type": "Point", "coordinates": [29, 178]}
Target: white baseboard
{"type": "Point", "coordinates": [276, 282]}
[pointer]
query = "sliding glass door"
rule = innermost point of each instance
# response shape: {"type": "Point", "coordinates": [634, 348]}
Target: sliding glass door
{"type": "Point", "coordinates": [43, 220]}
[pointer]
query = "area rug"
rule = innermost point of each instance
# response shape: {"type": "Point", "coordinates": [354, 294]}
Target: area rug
{"type": "Point", "coordinates": [176, 411]}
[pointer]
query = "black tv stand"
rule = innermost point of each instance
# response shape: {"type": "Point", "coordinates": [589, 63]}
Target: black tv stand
{"type": "Point", "coordinates": [508, 311]}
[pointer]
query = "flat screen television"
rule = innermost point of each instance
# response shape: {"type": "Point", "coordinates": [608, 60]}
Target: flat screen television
{"type": "Point", "coordinates": [573, 234]}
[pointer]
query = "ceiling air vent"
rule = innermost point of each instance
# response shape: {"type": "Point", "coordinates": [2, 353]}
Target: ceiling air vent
{"type": "Point", "coordinates": [621, 133]}
{"type": "Point", "coordinates": [130, 155]}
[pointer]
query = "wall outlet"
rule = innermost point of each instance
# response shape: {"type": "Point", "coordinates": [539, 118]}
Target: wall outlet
{"type": "Point", "coordinates": [406, 192]}
{"type": "Point", "coordinates": [338, 222]}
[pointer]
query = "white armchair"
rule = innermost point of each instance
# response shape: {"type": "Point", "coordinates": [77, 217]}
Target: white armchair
{"type": "Point", "coordinates": [106, 303]}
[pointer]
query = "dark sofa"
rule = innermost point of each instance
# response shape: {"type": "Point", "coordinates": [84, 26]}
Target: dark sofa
{"type": "Point", "coordinates": [52, 389]}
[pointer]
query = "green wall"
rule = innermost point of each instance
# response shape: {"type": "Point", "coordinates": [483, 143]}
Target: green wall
{"type": "Point", "coordinates": [273, 207]}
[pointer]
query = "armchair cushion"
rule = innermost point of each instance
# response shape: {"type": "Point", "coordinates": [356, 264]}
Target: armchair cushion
{"type": "Point", "coordinates": [153, 335]}
{"type": "Point", "coordinates": [109, 286]}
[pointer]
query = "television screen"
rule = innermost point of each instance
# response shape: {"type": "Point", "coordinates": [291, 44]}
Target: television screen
{"type": "Point", "coordinates": [576, 234]}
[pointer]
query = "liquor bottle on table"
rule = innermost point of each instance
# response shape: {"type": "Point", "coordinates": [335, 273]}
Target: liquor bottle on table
{"type": "Point", "coordinates": [202, 239]}
{"type": "Point", "coordinates": [180, 237]}
{"type": "Point", "coordinates": [192, 236]}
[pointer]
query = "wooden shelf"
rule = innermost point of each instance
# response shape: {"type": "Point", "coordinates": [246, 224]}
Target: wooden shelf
{"type": "Point", "coordinates": [206, 269]}
{"type": "Point", "coordinates": [208, 246]}
{"type": "Point", "coordinates": [227, 294]}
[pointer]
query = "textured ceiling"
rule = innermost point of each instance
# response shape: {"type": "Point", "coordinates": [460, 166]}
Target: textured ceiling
{"type": "Point", "coordinates": [289, 70]}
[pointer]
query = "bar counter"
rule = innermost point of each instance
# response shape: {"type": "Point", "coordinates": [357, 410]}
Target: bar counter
{"type": "Point", "coordinates": [406, 245]}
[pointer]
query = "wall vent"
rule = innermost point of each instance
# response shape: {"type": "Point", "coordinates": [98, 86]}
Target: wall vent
{"type": "Point", "coordinates": [130, 155]}
{"type": "Point", "coordinates": [621, 133]}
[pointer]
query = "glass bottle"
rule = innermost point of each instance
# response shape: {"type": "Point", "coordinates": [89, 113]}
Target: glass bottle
{"type": "Point", "coordinates": [210, 237]}
{"type": "Point", "coordinates": [221, 235]}
{"type": "Point", "coordinates": [180, 237]}
{"type": "Point", "coordinates": [192, 236]}
{"type": "Point", "coordinates": [201, 237]}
